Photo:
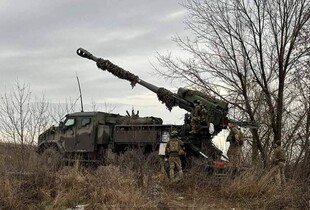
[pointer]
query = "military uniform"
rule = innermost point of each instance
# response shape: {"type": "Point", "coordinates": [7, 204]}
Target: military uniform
{"type": "Point", "coordinates": [198, 115]}
{"type": "Point", "coordinates": [234, 152]}
{"type": "Point", "coordinates": [174, 149]}
{"type": "Point", "coordinates": [278, 162]}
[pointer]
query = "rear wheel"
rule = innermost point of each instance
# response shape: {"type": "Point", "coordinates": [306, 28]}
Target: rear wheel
{"type": "Point", "coordinates": [155, 162]}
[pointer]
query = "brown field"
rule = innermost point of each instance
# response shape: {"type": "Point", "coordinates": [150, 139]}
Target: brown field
{"type": "Point", "coordinates": [134, 181]}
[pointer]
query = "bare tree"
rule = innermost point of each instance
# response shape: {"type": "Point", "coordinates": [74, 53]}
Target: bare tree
{"type": "Point", "coordinates": [106, 107]}
{"type": "Point", "coordinates": [21, 119]}
{"type": "Point", "coordinates": [57, 111]}
{"type": "Point", "coordinates": [302, 87]}
{"type": "Point", "coordinates": [243, 52]}
{"type": "Point", "coordinates": [39, 119]}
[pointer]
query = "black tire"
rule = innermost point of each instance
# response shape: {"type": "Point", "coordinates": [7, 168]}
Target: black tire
{"type": "Point", "coordinates": [51, 159]}
{"type": "Point", "coordinates": [153, 162]}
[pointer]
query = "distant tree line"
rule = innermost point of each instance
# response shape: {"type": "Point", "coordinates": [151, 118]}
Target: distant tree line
{"type": "Point", "coordinates": [24, 116]}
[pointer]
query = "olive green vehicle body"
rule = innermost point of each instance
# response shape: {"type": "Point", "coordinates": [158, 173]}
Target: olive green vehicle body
{"type": "Point", "coordinates": [89, 135]}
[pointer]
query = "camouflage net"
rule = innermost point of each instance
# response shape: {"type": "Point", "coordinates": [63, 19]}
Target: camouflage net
{"type": "Point", "coordinates": [117, 71]}
{"type": "Point", "coordinates": [165, 96]}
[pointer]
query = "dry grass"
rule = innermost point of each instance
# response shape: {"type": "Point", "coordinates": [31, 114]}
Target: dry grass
{"type": "Point", "coordinates": [256, 189]}
{"type": "Point", "coordinates": [134, 181]}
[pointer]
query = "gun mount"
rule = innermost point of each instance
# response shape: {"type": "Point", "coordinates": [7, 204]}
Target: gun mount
{"type": "Point", "coordinates": [216, 110]}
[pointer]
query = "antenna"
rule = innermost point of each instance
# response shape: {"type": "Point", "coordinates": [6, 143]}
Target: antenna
{"type": "Point", "coordinates": [82, 110]}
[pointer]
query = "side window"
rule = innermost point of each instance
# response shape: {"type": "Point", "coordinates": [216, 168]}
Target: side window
{"type": "Point", "coordinates": [85, 121]}
{"type": "Point", "coordinates": [70, 122]}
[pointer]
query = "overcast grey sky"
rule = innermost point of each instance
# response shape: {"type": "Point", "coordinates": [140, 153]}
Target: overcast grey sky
{"type": "Point", "coordinates": [39, 40]}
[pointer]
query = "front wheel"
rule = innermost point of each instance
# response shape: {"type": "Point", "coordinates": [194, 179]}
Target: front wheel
{"type": "Point", "coordinates": [51, 159]}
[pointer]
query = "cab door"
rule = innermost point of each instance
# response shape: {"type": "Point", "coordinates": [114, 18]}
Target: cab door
{"type": "Point", "coordinates": [68, 135]}
{"type": "Point", "coordinates": [85, 135]}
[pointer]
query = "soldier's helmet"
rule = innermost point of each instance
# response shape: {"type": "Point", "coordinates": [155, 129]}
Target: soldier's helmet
{"type": "Point", "coordinates": [232, 125]}
{"type": "Point", "coordinates": [174, 133]}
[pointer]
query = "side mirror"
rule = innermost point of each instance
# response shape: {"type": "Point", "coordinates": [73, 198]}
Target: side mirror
{"type": "Point", "coordinates": [61, 125]}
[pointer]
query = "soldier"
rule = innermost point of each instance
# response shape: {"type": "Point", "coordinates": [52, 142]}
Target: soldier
{"type": "Point", "coordinates": [234, 152]}
{"type": "Point", "coordinates": [278, 162]}
{"type": "Point", "coordinates": [174, 148]}
{"type": "Point", "coordinates": [198, 116]}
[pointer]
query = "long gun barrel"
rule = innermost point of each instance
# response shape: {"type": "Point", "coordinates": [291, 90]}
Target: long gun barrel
{"type": "Point", "coordinates": [185, 98]}
{"type": "Point", "coordinates": [165, 96]}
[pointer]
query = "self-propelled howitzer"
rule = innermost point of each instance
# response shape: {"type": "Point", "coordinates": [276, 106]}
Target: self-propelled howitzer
{"type": "Point", "coordinates": [216, 110]}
